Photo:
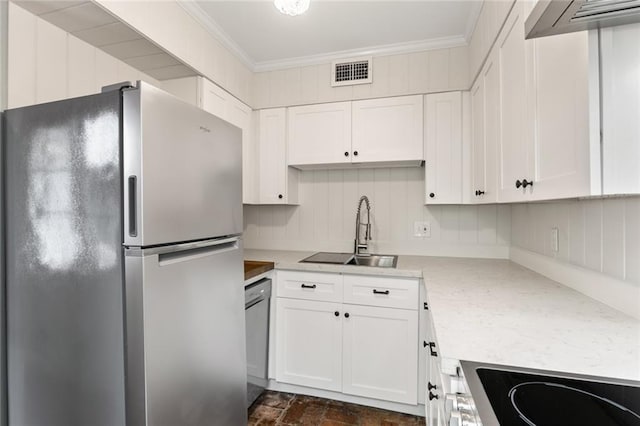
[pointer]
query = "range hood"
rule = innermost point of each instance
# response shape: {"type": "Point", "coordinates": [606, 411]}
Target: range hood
{"type": "Point", "coordinates": [550, 17]}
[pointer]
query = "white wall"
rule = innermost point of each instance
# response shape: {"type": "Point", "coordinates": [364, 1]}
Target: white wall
{"type": "Point", "coordinates": [599, 235]}
{"type": "Point", "coordinates": [430, 71]}
{"type": "Point", "coordinates": [46, 64]}
{"type": "Point", "coordinates": [599, 250]}
{"type": "Point", "coordinates": [325, 218]}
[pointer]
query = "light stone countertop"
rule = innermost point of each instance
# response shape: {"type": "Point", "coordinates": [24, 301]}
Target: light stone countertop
{"type": "Point", "coordinates": [498, 312]}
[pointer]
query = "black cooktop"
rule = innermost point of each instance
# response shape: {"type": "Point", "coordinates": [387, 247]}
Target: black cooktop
{"type": "Point", "coordinates": [530, 399]}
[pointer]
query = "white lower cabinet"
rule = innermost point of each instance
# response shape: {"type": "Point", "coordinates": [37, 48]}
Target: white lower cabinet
{"type": "Point", "coordinates": [368, 351]}
{"type": "Point", "coordinates": [309, 343]}
{"type": "Point", "coordinates": [380, 353]}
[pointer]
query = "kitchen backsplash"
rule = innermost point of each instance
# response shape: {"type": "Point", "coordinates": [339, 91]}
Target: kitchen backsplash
{"type": "Point", "coordinates": [325, 218]}
{"type": "Point", "coordinates": [600, 235]}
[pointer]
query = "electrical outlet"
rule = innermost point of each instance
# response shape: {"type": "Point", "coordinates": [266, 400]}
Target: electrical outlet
{"type": "Point", "coordinates": [421, 229]}
{"type": "Point", "coordinates": [555, 240]}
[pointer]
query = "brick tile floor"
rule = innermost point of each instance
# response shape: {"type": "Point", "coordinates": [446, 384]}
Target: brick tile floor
{"type": "Point", "coordinates": [280, 409]}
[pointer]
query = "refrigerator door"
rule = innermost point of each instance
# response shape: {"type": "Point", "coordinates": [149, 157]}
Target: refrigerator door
{"type": "Point", "coordinates": [182, 171]}
{"type": "Point", "coordinates": [185, 334]}
{"type": "Point", "coordinates": [64, 263]}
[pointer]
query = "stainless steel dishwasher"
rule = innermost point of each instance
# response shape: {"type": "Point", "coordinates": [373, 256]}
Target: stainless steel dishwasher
{"type": "Point", "coordinates": [256, 307]}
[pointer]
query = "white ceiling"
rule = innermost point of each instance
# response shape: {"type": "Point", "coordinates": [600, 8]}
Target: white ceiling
{"type": "Point", "coordinates": [266, 39]}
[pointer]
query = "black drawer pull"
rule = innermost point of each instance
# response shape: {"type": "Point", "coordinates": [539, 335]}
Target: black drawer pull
{"type": "Point", "coordinates": [308, 286]}
{"type": "Point", "coordinates": [432, 396]}
{"type": "Point", "coordinates": [380, 291]}
{"type": "Point", "coordinates": [430, 386]}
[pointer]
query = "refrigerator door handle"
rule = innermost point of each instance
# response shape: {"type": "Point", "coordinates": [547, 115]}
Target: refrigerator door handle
{"type": "Point", "coordinates": [186, 255]}
{"type": "Point", "coordinates": [133, 214]}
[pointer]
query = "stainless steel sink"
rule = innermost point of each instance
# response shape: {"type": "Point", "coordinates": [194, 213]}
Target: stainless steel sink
{"type": "Point", "coordinates": [377, 260]}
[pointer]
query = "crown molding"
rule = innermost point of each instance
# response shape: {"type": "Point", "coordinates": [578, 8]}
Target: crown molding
{"type": "Point", "coordinates": [212, 27]}
{"type": "Point", "coordinates": [472, 21]}
{"type": "Point", "coordinates": [382, 50]}
{"type": "Point", "coordinates": [197, 13]}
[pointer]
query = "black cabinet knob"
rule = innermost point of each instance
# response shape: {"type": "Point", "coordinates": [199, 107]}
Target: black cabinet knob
{"type": "Point", "coordinates": [432, 396]}
{"type": "Point", "coordinates": [526, 183]}
{"type": "Point", "coordinates": [336, 313]}
{"type": "Point", "coordinates": [518, 184]}
{"type": "Point", "coordinates": [432, 195]}
{"type": "Point", "coordinates": [355, 153]}
{"type": "Point", "coordinates": [346, 153]}
{"type": "Point", "coordinates": [346, 314]}
{"type": "Point", "coordinates": [430, 386]}
{"type": "Point", "coordinates": [479, 193]}
{"type": "Point", "coordinates": [280, 196]}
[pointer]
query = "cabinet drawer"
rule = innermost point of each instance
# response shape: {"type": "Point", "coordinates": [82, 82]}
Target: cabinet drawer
{"type": "Point", "coordinates": [310, 286]}
{"type": "Point", "coordinates": [378, 291]}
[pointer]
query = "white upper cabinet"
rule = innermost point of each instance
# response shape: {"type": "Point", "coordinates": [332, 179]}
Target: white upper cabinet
{"type": "Point", "coordinates": [485, 133]}
{"type": "Point", "coordinates": [277, 183]}
{"type": "Point", "coordinates": [319, 134]}
{"type": "Point", "coordinates": [387, 130]}
{"type": "Point", "coordinates": [515, 156]}
{"type": "Point", "coordinates": [620, 58]}
{"type": "Point", "coordinates": [443, 148]}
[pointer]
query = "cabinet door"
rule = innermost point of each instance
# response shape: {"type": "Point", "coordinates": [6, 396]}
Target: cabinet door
{"type": "Point", "coordinates": [491, 82]}
{"type": "Point", "coordinates": [478, 168]}
{"type": "Point", "coordinates": [561, 148]}
{"type": "Point", "coordinates": [319, 134]}
{"type": "Point", "coordinates": [443, 148]}
{"type": "Point", "coordinates": [620, 109]}
{"type": "Point", "coordinates": [380, 353]}
{"type": "Point", "coordinates": [514, 146]}
{"type": "Point", "coordinates": [271, 156]}
{"type": "Point", "coordinates": [388, 129]}
{"type": "Point", "coordinates": [309, 343]}
{"type": "Point", "coordinates": [240, 115]}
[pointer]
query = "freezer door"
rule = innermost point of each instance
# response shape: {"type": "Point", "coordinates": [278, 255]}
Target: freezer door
{"type": "Point", "coordinates": [182, 171]}
{"type": "Point", "coordinates": [186, 362]}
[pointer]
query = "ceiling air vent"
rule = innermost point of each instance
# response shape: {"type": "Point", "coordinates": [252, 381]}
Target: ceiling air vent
{"type": "Point", "coordinates": [348, 72]}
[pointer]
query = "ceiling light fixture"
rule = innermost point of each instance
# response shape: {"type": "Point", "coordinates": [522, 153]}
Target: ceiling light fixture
{"type": "Point", "coordinates": [292, 7]}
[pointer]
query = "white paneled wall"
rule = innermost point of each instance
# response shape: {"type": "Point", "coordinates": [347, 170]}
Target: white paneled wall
{"type": "Point", "coordinates": [46, 64]}
{"type": "Point", "coordinates": [414, 73]}
{"type": "Point", "coordinates": [599, 235]}
{"type": "Point", "coordinates": [325, 218]}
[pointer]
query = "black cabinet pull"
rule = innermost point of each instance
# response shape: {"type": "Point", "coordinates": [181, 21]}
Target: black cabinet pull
{"type": "Point", "coordinates": [308, 286]}
{"type": "Point", "coordinates": [432, 347]}
{"type": "Point", "coordinates": [355, 153]}
{"type": "Point", "coordinates": [280, 196]}
{"type": "Point", "coordinates": [518, 184]}
{"type": "Point", "coordinates": [336, 313]}
{"type": "Point", "coordinates": [432, 396]}
{"type": "Point", "coordinates": [430, 386]}
{"type": "Point", "coordinates": [478, 193]}
{"type": "Point", "coordinates": [380, 291]}
{"type": "Point", "coordinates": [346, 153]}
{"type": "Point", "coordinates": [346, 314]}
{"type": "Point", "coordinates": [431, 194]}
{"type": "Point", "coordinates": [526, 183]}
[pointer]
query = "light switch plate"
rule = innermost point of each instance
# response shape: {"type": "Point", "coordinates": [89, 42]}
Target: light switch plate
{"type": "Point", "coordinates": [421, 229]}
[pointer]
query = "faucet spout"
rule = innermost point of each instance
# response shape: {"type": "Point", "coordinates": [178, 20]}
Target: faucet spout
{"type": "Point", "coordinates": [360, 247]}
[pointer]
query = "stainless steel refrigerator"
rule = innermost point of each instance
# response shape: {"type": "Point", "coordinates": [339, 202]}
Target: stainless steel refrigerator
{"type": "Point", "coordinates": [124, 277]}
